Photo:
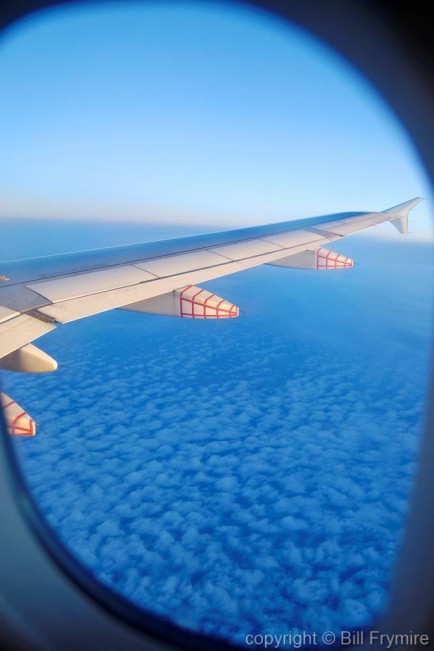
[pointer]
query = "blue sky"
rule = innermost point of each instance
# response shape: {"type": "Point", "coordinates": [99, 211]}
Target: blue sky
{"type": "Point", "coordinates": [197, 113]}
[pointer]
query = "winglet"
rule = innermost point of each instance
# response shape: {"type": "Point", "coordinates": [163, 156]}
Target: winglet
{"type": "Point", "coordinates": [400, 214]}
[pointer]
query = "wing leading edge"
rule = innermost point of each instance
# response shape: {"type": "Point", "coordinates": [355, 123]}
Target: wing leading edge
{"type": "Point", "coordinates": [37, 294]}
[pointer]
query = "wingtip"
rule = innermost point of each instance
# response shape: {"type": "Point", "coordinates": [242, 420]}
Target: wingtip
{"type": "Point", "coordinates": [404, 208]}
{"type": "Point", "coordinates": [399, 214]}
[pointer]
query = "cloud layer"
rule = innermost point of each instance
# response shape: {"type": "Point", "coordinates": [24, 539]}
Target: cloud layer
{"type": "Point", "coordinates": [244, 476]}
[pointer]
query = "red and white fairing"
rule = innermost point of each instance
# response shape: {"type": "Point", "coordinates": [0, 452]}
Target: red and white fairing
{"type": "Point", "coordinates": [197, 303]}
{"type": "Point", "coordinates": [326, 259]}
{"type": "Point", "coordinates": [315, 259]}
{"type": "Point", "coordinates": [190, 302]}
{"type": "Point", "coordinates": [18, 421]}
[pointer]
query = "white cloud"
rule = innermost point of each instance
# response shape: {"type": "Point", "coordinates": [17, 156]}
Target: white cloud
{"type": "Point", "coordinates": [264, 487]}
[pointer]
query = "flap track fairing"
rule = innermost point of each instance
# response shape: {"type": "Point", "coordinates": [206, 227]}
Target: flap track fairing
{"type": "Point", "coordinates": [317, 259]}
{"type": "Point", "coordinates": [18, 421]}
{"type": "Point", "coordinates": [28, 359]}
{"type": "Point", "coordinates": [189, 302]}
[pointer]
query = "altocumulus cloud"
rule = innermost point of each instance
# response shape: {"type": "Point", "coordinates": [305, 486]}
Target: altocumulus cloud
{"type": "Point", "coordinates": [239, 476]}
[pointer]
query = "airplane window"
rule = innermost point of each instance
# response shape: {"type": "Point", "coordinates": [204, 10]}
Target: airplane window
{"type": "Point", "coordinates": [238, 477]}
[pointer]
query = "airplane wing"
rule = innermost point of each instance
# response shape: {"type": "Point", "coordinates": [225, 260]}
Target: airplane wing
{"type": "Point", "coordinates": [39, 294]}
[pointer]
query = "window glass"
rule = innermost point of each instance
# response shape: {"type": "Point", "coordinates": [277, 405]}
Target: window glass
{"type": "Point", "coordinates": [245, 476]}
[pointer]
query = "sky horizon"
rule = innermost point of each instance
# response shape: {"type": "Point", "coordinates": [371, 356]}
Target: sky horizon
{"type": "Point", "coordinates": [194, 113]}
{"type": "Point", "coordinates": [90, 235]}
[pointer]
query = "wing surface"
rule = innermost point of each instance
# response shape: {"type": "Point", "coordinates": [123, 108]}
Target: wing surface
{"type": "Point", "coordinates": [37, 294]}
